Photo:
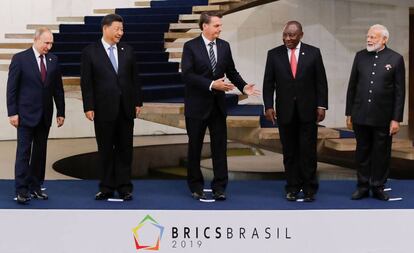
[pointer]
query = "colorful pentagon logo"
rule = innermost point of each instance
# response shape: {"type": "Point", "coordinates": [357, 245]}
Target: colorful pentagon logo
{"type": "Point", "coordinates": [148, 234]}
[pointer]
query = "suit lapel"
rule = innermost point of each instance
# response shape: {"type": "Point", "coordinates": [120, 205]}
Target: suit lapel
{"type": "Point", "coordinates": [49, 64]}
{"type": "Point", "coordinates": [203, 51]}
{"type": "Point", "coordinates": [301, 59]}
{"type": "Point", "coordinates": [220, 52]}
{"type": "Point", "coordinates": [35, 65]}
{"type": "Point", "coordinates": [104, 54]}
{"type": "Point", "coordinates": [121, 58]}
{"type": "Point", "coordinates": [285, 61]}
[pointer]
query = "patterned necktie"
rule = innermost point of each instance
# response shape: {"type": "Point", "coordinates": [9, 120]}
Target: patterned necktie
{"type": "Point", "coordinates": [42, 69]}
{"type": "Point", "coordinates": [293, 62]}
{"type": "Point", "coordinates": [112, 58]}
{"type": "Point", "coordinates": [212, 57]}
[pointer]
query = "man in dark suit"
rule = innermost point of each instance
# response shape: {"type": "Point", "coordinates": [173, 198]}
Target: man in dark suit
{"type": "Point", "coordinates": [205, 62]}
{"type": "Point", "coordinates": [374, 108]}
{"type": "Point", "coordinates": [296, 72]}
{"type": "Point", "coordinates": [112, 99]}
{"type": "Point", "coordinates": [34, 82]}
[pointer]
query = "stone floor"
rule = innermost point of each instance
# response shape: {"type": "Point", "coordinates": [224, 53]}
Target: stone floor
{"type": "Point", "coordinates": [268, 162]}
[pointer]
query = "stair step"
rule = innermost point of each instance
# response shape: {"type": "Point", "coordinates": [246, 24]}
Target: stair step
{"type": "Point", "coordinates": [178, 35]}
{"type": "Point", "coordinates": [53, 27]}
{"type": "Point", "coordinates": [71, 81]}
{"type": "Point", "coordinates": [202, 8]}
{"type": "Point", "coordinates": [243, 121]}
{"type": "Point", "coordinates": [349, 144]}
{"type": "Point", "coordinates": [95, 36]}
{"type": "Point", "coordinates": [151, 46]}
{"type": "Point", "coordinates": [189, 17]}
{"type": "Point", "coordinates": [19, 35]}
{"type": "Point", "coordinates": [323, 133]}
{"type": "Point", "coordinates": [103, 11]}
{"type": "Point", "coordinates": [174, 55]}
{"type": "Point", "coordinates": [163, 108]}
{"type": "Point", "coordinates": [173, 44]}
{"type": "Point", "coordinates": [4, 67]}
{"type": "Point", "coordinates": [403, 153]}
{"type": "Point", "coordinates": [223, 1]}
{"type": "Point", "coordinates": [71, 19]}
{"type": "Point", "coordinates": [183, 26]}
{"type": "Point", "coordinates": [16, 45]}
{"type": "Point", "coordinates": [154, 10]}
{"type": "Point", "coordinates": [143, 3]}
{"type": "Point", "coordinates": [131, 27]}
{"type": "Point", "coordinates": [151, 18]}
{"type": "Point", "coordinates": [234, 122]}
{"type": "Point", "coordinates": [6, 56]}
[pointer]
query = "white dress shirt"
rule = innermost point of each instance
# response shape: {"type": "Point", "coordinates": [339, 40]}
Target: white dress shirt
{"type": "Point", "coordinates": [206, 42]}
{"type": "Point", "coordinates": [107, 46]}
{"type": "Point", "coordinates": [296, 52]}
{"type": "Point", "coordinates": [37, 56]}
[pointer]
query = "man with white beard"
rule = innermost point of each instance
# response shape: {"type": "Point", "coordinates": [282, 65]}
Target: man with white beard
{"type": "Point", "coordinates": [374, 109]}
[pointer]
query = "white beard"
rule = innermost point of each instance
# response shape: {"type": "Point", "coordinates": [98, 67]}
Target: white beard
{"type": "Point", "coordinates": [374, 47]}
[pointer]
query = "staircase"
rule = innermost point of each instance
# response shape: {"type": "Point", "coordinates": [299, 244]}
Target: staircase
{"type": "Point", "coordinates": [157, 31]}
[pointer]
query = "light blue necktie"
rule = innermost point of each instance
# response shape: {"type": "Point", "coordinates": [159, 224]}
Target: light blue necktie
{"type": "Point", "coordinates": [112, 58]}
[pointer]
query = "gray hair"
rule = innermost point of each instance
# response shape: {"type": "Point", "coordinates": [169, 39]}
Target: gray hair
{"type": "Point", "coordinates": [383, 29]}
{"type": "Point", "coordinates": [39, 31]}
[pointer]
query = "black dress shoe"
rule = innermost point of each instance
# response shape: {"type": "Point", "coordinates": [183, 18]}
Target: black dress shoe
{"type": "Point", "coordinates": [292, 196]}
{"type": "Point", "coordinates": [360, 193]}
{"type": "Point", "coordinates": [380, 194]}
{"type": "Point", "coordinates": [309, 197]}
{"type": "Point", "coordinates": [104, 195]}
{"type": "Point", "coordinates": [127, 196]}
{"type": "Point", "coordinates": [219, 195]}
{"type": "Point", "coordinates": [22, 198]}
{"type": "Point", "coordinates": [39, 195]}
{"type": "Point", "coordinates": [198, 195]}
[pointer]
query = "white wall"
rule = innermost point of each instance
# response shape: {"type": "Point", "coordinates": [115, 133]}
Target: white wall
{"type": "Point", "coordinates": [337, 27]}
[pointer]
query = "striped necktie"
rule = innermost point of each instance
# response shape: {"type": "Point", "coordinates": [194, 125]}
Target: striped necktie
{"type": "Point", "coordinates": [212, 57]}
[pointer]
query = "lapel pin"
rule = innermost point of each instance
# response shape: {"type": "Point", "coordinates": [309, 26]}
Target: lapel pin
{"type": "Point", "coordinates": [303, 53]}
{"type": "Point", "coordinates": [388, 66]}
{"type": "Point", "coordinates": [122, 48]}
{"type": "Point", "coordinates": [50, 59]}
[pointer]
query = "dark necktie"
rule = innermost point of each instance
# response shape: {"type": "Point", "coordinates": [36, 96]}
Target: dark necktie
{"type": "Point", "coordinates": [212, 57]}
{"type": "Point", "coordinates": [42, 69]}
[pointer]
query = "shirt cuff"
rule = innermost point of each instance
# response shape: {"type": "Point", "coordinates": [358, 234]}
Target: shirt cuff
{"type": "Point", "coordinates": [211, 85]}
{"type": "Point", "coordinates": [321, 107]}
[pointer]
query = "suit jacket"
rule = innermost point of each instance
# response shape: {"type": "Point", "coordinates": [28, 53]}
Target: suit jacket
{"type": "Point", "coordinates": [376, 89]}
{"type": "Point", "coordinates": [309, 89]}
{"type": "Point", "coordinates": [28, 96]}
{"type": "Point", "coordinates": [198, 75]}
{"type": "Point", "coordinates": [103, 88]}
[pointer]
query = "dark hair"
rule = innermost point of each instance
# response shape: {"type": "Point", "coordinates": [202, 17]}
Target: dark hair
{"type": "Point", "coordinates": [205, 17]}
{"type": "Point", "coordinates": [296, 23]}
{"type": "Point", "coordinates": [110, 18]}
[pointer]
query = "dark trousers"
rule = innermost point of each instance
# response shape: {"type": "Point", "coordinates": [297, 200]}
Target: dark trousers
{"type": "Point", "coordinates": [299, 154]}
{"type": "Point", "coordinates": [372, 155]}
{"type": "Point", "coordinates": [115, 146]}
{"type": "Point", "coordinates": [196, 129]}
{"type": "Point", "coordinates": [31, 157]}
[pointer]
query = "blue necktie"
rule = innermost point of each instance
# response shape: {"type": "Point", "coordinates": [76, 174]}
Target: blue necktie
{"type": "Point", "coordinates": [112, 58]}
{"type": "Point", "coordinates": [212, 57]}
